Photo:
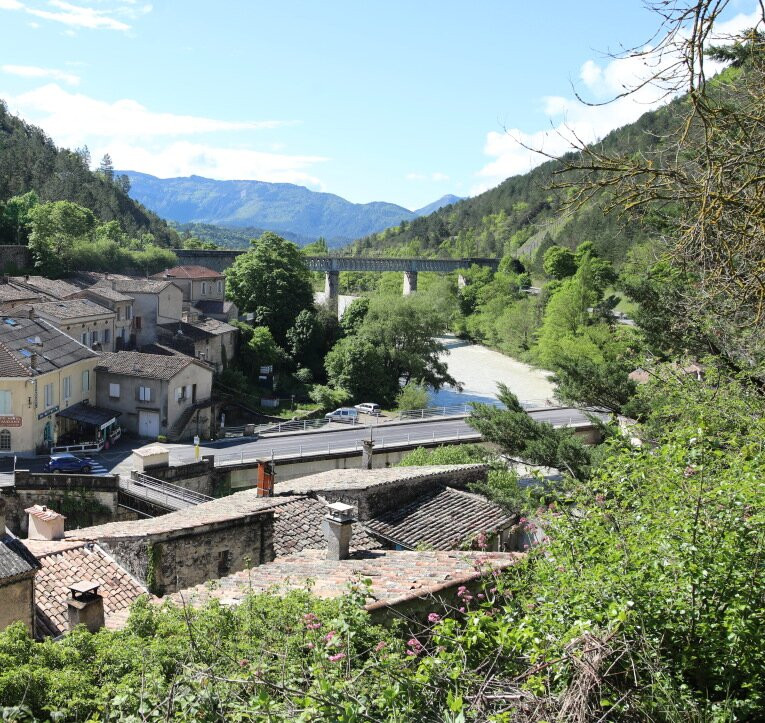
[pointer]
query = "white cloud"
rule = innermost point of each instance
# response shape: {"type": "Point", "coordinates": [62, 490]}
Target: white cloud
{"type": "Point", "coordinates": [570, 119]}
{"type": "Point", "coordinates": [32, 71]}
{"type": "Point", "coordinates": [436, 177]}
{"type": "Point", "coordinates": [183, 158]}
{"type": "Point", "coordinates": [72, 117]}
{"type": "Point", "coordinates": [82, 16]}
{"type": "Point", "coordinates": [143, 140]}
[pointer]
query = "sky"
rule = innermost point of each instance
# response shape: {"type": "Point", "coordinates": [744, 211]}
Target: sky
{"type": "Point", "coordinates": [398, 101]}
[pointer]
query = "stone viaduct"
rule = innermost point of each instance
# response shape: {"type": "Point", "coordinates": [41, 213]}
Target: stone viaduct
{"type": "Point", "coordinates": [220, 260]}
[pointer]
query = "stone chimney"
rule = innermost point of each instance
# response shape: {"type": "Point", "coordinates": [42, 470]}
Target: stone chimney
{"type": "Point", "coordinates": [85, 606]}
{"type": "Point", "coordinates": [33, 361]}
{"type": "Point", "coordinates": [338, 524]}
{"type": "Point", "coordinates": [44, 523]}
{"type": "Point", "coordinates": [265, 478]}
{"type": "Point", "coordinates": [366, 453]}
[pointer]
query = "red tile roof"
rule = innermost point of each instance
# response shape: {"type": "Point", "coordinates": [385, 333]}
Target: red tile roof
{"type": "Point", "coordinates": [188, 272]}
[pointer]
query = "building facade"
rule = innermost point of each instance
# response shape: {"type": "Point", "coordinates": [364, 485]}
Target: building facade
{"type": "Point", "coordinates": [90, 323]}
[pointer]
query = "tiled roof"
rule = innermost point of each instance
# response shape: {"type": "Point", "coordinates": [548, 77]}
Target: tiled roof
{"type": "Point", "coordinates": [19, 338]}
{"type": "Point", "coordinates": [41, 512]}
{"type": "Point", "coordinates": [188, 272]}
{"type": "Point", "coordinates": [55, 288]}
{"type": "Point", "coordinates": [70, 309]}
{"type": "Point", "coordinates": [240, 504]}
{"type": "Point", "coordinates": [15, 558]}
{"type": "Point", "coordinates": [443, 518]}
{"type": "Point", "coordinates": [136, 286]}
{"type": "Point", "coordinates": [396, 577]}
{"type": "Point", "coordinates": [363, 479]}
{"type": "Point", "coordinates": [147, 366]}
{"type": "Point", "coordinates": [60, 570]}
{"type": "Point", "coordinates": [201, 329]}
{"type": "Point", "coordinates": [9, 292]}
{"type": "Point", "coordinates": [103, 292]}
{"type": "Point", "coordinates": [298, 526]}
{"type": "Point", "coordinates": [213, 306]}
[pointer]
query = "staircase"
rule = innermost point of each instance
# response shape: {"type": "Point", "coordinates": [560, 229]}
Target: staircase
{"type": "Point", "coordinates": [177, 432]}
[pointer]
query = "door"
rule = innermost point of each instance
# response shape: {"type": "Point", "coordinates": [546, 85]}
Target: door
{"type": "Point", "coordinates": [148, 424]}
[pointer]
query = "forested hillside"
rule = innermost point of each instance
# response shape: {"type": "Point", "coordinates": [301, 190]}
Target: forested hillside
{"type": "Point", "coordinates": [30, 161]}
{"type": "Point", "coordinates": [526, 213]}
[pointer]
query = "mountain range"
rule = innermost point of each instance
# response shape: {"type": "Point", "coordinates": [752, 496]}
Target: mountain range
{"type": "Point", "coordinates": [281, 207]}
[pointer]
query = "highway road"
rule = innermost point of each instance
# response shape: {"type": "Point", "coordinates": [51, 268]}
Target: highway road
{"type": "Point", "coordinates": [384, 435]}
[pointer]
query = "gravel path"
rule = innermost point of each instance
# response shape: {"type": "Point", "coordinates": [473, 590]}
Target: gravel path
{"type": "Point", "coordinates": [479, 369]}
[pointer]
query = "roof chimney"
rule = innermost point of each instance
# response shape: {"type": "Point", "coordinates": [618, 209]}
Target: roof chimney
{"type": "Point", "coordinates": [33, 361]}
{"type": "Point", "coordinates": [265, 478]}
{"type": "Point", "coordinates": [366, 452]}
{"type": "Point", "coordinates": [44, 523]}
{"type": "Point", "coordinates": [85, 606]}
{"type": "Point", "coordinates": [338, 525]}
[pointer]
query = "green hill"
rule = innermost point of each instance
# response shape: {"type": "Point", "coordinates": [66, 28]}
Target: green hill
{"type": "Point", "coordinates": [525, 213]}
{"type": "Point", "coordinates": [30, 161]}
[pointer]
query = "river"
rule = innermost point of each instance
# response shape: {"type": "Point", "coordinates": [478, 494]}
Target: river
{"type": "Point", "coordinates": [479, 369]}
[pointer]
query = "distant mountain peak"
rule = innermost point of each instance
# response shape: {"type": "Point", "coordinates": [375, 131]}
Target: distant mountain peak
{"type": "Point", "coordinates": [446, 200]}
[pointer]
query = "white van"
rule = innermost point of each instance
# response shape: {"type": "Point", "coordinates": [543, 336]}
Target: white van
{"type": "Point", "coordinates": [343, 414]}
{"type": "Point", "coordinates": [368, 408]}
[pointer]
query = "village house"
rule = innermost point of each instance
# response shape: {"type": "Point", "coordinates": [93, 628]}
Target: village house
{"type": "Point", "coordinates": [45, 375]}
{"type": "Point", "coordinates": [119, 303]}
{"type": "Point", "coordinates": [203, 289]}
{"type": "Point", "coordinates": [17, 579]}
{"type": "Point", "coordinates": [83, 319]}
{"type": "Point", "coordinates": [154, 302]}
{"type": "Point", "coordinates": [157, 395]}
{"type": "Point", "coordinates": [45, 288]}
{"type": "Point", "coordinates": [208, 339]}
{"type": "Point", "coordinates": [12, 296]}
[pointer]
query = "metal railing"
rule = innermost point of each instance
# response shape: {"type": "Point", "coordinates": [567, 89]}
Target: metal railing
{"type": "Point", "coordinates": [460, 410]}
{"type": "Point", "coordinates": [159, 492]}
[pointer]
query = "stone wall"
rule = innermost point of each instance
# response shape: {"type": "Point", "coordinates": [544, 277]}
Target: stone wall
{"type": "Point", "coordinates": [14, 259]}
{"type": "Point", "coordinates": [83, 499]}
{"type": "Point", "coordinates": [18, 599]}
{"type": "Point", "coordinates": [196, 476]}
{"type": "Point", "coordinates": [176, 559]}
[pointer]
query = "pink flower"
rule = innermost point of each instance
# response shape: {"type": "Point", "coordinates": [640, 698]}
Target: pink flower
{"type": "Point", "coordinates": [481, 541]}
{"type": "Point", "coordinates": [414, 643]}
{"type": "Point", "coordinates": [462, 610]}
{"type": "Point", "coordinates": [410, 652]}
{"type": "Point", "coordinates": [382, 644]}
{"type": "Point", "coordinates": [337, 656]}
{"type": "Point", "coordinates": [310, 646]}
{"type": "Point", "coordinates": [313, 626]}
{"type": "Point", "coordinates": [329, 636]}
{"type": "Point", "coordinates": [434, 617]}
{"type": "Point", "coordinates": [244, 662]}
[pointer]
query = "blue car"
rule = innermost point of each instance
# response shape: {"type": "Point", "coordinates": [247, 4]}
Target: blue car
{"type": "Point", "coordinates": [66, 462]}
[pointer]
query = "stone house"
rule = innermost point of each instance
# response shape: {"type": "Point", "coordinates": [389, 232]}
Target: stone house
{"type": "Point", "coordinates": [122, 307]}
{"type": "Point", "coordinates": [208, 339]}
{"type": "Point", "coordinates": [203, 289]}
{"type": "Point", "coordinates": [157, 395]}
{"type": "Point", "coordinates": [84, 319]}
{"type": "Point", "coordinates": [154, 302]}
{"type": "Point", "coordinates": [45, 288]}
{"type": "Point", "coordinates": [12, 296]}
{"type": "Point", "coordinates": [43, 371]}
{"type": "Point", "coordinates": [18, 567]}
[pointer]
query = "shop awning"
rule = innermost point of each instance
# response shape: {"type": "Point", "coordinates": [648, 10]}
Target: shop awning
{"type": "Point", "coordinates": [88, 414]}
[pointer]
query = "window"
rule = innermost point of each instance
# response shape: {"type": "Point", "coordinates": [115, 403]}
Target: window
{"type": "Point", "coordinates": [5, 402]}
{"type": "Point", "coordinates": [48, 395]}
{"type": "Point", "coordinates": [138, 322]}
{"type": "Point", "coordinates": [86, 381]}
{"type": "Point", "coordinates": [220, 287]}
{"type": "Point", "coordinates": [144, 394]}
{"type": "Point", "coordinates": [84, 338]}
{"type": "Point", "coordinates": [94, 336]}
{"type": "Point", "coordinates": [114, 391]}
{"type": "Point", "coordinates": [67, 387]}
{"type": "Point", "coordinates": [204, 288]}
{"type": "Point", "coordinates": [119, 313]}
{"type": "Point", "coordinates": [129, 312]}
{"type": "Point", "coordinates": [107, 336]}
{"type": "Point", "coordinates": [180, 394]}
{"type": "Point", "coordinates": [5, 439]}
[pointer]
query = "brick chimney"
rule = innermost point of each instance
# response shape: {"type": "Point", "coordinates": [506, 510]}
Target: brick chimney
{"type": "Point", "coordinates": [44, 523]}
{"type": "Point", "coordinates": [265, 478]}
{"type": "Point", "coordinates": [338, 524]}
{"type": "Point", "coordinates": [85, 606]}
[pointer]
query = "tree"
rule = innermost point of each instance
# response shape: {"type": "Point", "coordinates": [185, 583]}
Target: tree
{"type": "Point", "coordinates": [16, 216]}
{"type": "Point", "coordinates": [272, 281]}
{"type": "Point", "coordinates": [304, 340]}
{"type": "Point", "coordinates": [527, 441]}
{"type": "Point", "coordinates": [559, 263]}
{"type": "Point", "coordinates": [354, 315]}
{"type": "Point", "coordinates": [357, 365]}
{"type": "Point", "coordinates": [106, 167]}
{"type": "Point", "coordinates": [123, 181]}
{"type": "Point", "coordinates": [54, 227]}
{"type": "Point", "coordinates": [317, 248]}
{"type": "Point", "coordinates": [413, 396]}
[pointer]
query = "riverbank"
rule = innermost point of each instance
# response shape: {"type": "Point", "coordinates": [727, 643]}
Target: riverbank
{"type": "Point", "coordinates": [479, 369]}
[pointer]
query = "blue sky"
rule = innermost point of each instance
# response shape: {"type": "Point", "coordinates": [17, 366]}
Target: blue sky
{"type": "Point", "coordinates": [396, 101]}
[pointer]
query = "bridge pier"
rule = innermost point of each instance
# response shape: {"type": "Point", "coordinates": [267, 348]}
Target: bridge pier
{"type": "Point", "coordinates": [410, 282]}
{"type": "Point", "coordinates": [331, 288]}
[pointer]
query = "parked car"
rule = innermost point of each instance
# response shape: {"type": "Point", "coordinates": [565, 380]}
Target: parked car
{"type": "Point", "coordinates": [66, 462]}
{"type": "Point", "coordinates": [343, 414]}
{"type": "Point", "coordinates": [368, 408]}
